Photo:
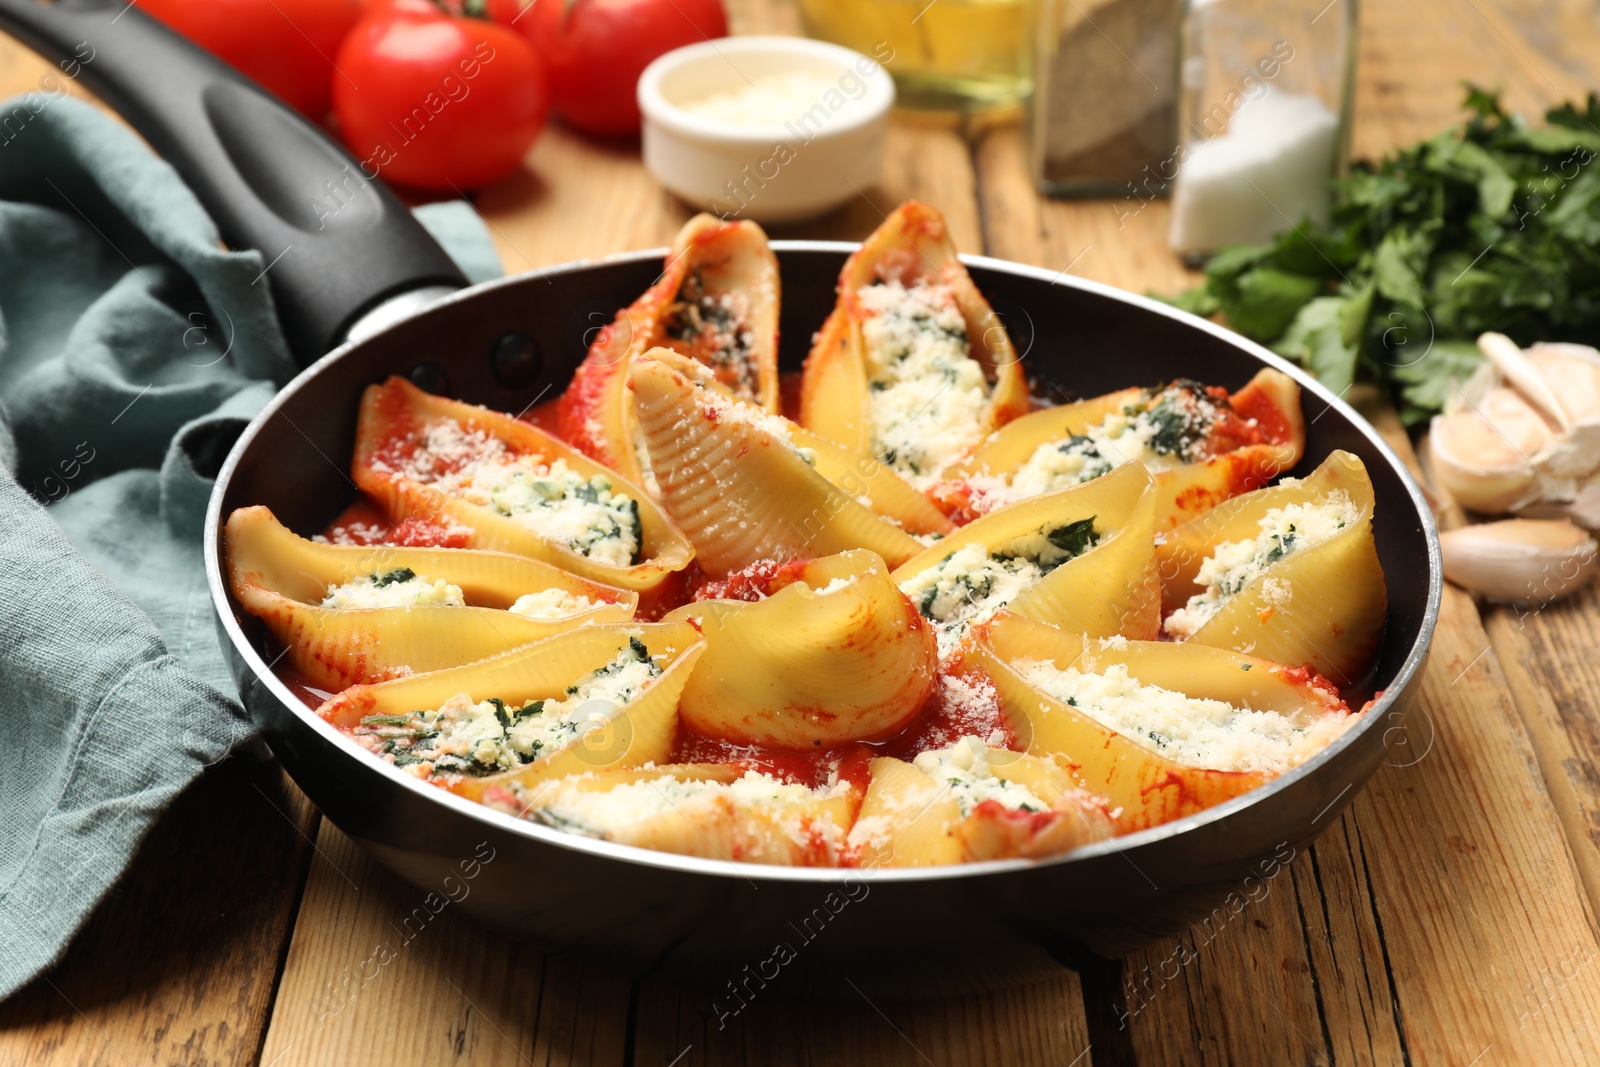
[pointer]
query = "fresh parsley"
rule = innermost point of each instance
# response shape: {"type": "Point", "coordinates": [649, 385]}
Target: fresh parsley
{"type": "Point", "coordinates": [1493, 225]}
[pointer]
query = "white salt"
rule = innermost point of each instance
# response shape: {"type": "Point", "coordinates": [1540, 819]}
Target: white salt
{"type": "Point", "coordinates": [1266, 172]}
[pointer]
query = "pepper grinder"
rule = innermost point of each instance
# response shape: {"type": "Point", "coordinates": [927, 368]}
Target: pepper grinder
{"type": "Point", "coordinates": [1101, 117]}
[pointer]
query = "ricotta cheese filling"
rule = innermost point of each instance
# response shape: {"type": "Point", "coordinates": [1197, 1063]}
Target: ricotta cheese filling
{"type": "Point", "coordinates": [487, 736]}
{"type": "Point", "coordinates": [972, 583]}
{"type": "Point", "coordinates": [400, 587]}
{"type": "Point", "coordinates": [973, 775]}
{"type": "Point", "coordinates": [714, 329]}
{"type": "Point", "coordinates": [1233, 565]}
{"type": "Point", "coordinates": [1165, 429]}
{"type": "Point", "coordinates": [1193, 731]}
{"type": "Point", "coordinates": [552, 604]}
{"type": "Point", "coordinates": [603, 813]}
{"type": "Point", "coordinates": [926, 395]}
{"type": "Point", "coordinates": [584, 514]}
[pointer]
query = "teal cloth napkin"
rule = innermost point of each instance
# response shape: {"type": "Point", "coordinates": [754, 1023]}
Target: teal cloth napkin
{"type": "Point", "coordinates": [133, 349]}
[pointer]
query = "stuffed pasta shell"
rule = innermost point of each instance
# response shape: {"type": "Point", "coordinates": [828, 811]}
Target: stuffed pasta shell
{"type": "Point", "coordinates": [711, 811]}
{"type": "Point", "coordinates": [511, 487]}
{"type": "Point", "coordinates": [1082, 558]}
{"type": "Point", "coordinates": [1289, 573]}
{"type": "Point", "coordinates": [913, 366]}
{"type": "Point", "coordinates": [970, 802]}
{"type": "Point", "coordinates": [602, 696]}
{"type": "Point", "coordinates": [1201, 444]}
{"type": "Point", "coordinates": [1161, 730]}
{"type": "Point", "coordinates": [349, 614]}
{"type": "Point", "coordinates": [716, 302]}
{"type": "Point", "coordinates": [738, 484]}
{"type": "Point", "coordinates": [856, 475]}
{"type": "Point", "coordinates": [831, 653]}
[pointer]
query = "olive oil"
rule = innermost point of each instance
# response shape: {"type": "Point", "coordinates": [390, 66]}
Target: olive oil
{"type": "Point", "coordinates": [950, 55]}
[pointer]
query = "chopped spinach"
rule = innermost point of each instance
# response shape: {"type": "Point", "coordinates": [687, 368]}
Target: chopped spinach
{"type": "Point", "coordinates": [1075, 538]}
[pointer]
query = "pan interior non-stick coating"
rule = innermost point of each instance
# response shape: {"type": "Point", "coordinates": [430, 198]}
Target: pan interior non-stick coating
{"type": "Point", "coordinates": [515, 343]}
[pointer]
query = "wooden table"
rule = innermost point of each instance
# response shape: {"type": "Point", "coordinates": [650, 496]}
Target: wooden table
{"type": "Point", "coordinates": [1448, 918]}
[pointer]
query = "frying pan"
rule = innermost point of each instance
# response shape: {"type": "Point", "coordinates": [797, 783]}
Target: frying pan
{"type": "Point", "coordinates": [369, 294]}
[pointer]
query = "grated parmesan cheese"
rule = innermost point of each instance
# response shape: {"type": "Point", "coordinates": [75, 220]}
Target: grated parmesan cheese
{"type": "Point", "coordinates": [553, 501]}
{"type": "Point", "coordinates": [552, 604]}
{"type": "Point", "coordinates": [973, 776]}
{"type": "Point", "coordinates": [927, 395]}
{"type": "Point", "coordinates": [972, 583]}
{"type": "Point", "coordinates": [604, 813]}
{"type": "Point", "coordinates": [1233, 565]}
{"type": "Point", "coordinates": [766, 100]}
{"type": "Point", "coordinates": [398, 588]}
{"type": "Point", "coordinates": [1165, 429]}
{"type": "Point", "coordinates": [1193, 731]}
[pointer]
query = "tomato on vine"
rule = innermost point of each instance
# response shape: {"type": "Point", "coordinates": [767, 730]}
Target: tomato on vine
{"type": "Point", "coordinates": [287, 46]}
{"type": "Point", "coordinates": [596, 50]}
{"type": "Point", "coordinates": [435, 100]}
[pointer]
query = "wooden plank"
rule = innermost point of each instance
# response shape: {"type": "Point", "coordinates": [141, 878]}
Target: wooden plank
{"type": "Point", "coordinates": [178, 963]}
{"type": "Point", "coordinates": [1040, 1022]}
{"type": "Point", "coordinates": [1120, 242]}
{"type": "Point", "coordinates": [381, 972]}
{"type": "Point", "coordinates": [1548, 655]}
{"type": "Point", "coordinates": [1405, 92]}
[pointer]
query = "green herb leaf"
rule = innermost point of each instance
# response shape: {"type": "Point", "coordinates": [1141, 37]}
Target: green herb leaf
{"type": "Point", "coordinates": [1492, 225]}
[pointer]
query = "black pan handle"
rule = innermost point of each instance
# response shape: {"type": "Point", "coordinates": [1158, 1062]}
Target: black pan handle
{"type": "Point", "coordinates": [339, 243]}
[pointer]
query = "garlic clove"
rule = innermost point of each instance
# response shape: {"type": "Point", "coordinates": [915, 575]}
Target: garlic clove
{"type": "Point", "coordinates": [1573, 373]}
{"type": "Point", "coordinates": [1484, 454]}
{"type": "Point", "coordinates": [1520, 561]}
{"type": "Point", "coordinates": [1524, 376]}
{"type": "Point", "coordinates": [1583, 508]}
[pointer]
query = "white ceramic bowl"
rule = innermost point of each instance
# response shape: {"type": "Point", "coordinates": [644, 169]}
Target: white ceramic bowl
{"type": "Point", "coordinates": [793, 167]}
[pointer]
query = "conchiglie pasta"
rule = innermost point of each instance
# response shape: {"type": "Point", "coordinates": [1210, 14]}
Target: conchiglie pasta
{"type": "Point", "coordinates": [1201, 446]}
{"type": "Point", "coordinates": [716, 302]}
{"type": "Point", "coordinates": [913, 366]}
{"type": "Point", "coordinates": [1081, 558]}
{"type": "Point", "coordinates": [706, 811]}
{"type": "Point", "coordinates": [1182, 709]}
{"type": "Point", "coordinates": [498, 702]}
{"type": "Point", "coordinates": [285, 579]}
{"type": "Point", "coordinates": [969, 803]}
{"type": "Point", "coordinates": [857, 475]}
{"type": "Point", "coordinates": [1289, 573]}
{"type": "Point", "coordinates": [510, 487]}
{"type": "Point", "coordinates": [737, 484]}
{"type": "Point", "coordinates": [836, 655]}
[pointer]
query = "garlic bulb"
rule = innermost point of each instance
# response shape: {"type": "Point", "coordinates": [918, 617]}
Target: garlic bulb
{"type": "Point", "coordinates": [1524, 431]}
{"type": "Point", "coordinates": [1519, 561]}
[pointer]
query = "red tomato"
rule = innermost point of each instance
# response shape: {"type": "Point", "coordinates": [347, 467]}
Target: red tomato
{"type": "Point", "coordinates": [437, 102]}
{"type": "Point", "coordinates": [597, 49]}
{"type": "Point", "coordinates": [286, 45]}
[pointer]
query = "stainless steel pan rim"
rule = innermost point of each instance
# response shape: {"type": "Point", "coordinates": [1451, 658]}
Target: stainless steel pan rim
{"type": "Point", "coordinates": [1381, 706]}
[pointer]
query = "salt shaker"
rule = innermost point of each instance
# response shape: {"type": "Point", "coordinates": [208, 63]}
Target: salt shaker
{"type": "Point", "coordinates": [1264, 117]}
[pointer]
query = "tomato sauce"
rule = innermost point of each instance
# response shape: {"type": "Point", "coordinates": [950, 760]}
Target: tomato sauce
{"type": "Point", "coordinates": [1309, 678]}
{"type": "Point", "coordinates": [953, 711]}
{"type": "Point", "coordinates": [1271, 425]}
{"type": "Point", "coordinates": [545, 415]}
{"type": "Point", "coordinates": [807, 767]}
